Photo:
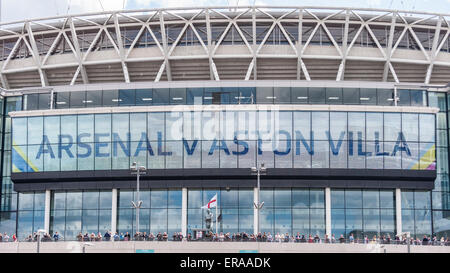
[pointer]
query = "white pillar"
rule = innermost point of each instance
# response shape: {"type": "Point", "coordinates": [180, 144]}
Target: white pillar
{"type": "Point", "coordinates": [47, 211]}
{"type": "Point", "coordinates": [255, 211]}
{"type": "Point", "coordinates": [114, 212]}
{"type": "Point", "coordinates": [184, 210]}
{"type": "Point", "coordinates": [398, 210]}
{"type": "Point", "coordinates": [328, 212]}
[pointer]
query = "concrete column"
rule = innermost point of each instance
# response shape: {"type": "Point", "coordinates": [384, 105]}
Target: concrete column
{"type": "Point", "coordinates": [47, 211]}
{"type": "Point", "coordinates": [114, 212]}
{"type": "Point", "coordinates": [255, 211]}
{"type": "Point", "coordinates": [328, 212]}
{"type": "Point", "coordinates": [398, 210]}
{"type": "Point", "coordinates": [184, 210]}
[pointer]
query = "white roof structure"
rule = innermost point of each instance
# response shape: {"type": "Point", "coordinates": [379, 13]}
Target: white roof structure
{"type": "Point", "coordinates": [223, 43]}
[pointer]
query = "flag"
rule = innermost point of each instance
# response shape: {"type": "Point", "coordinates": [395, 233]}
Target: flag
{"type": "Point", "coordinates": [212, 203]}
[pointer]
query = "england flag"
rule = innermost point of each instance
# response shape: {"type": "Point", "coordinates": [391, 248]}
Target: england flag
{"type": "Point", "coordinates": [212, 203]}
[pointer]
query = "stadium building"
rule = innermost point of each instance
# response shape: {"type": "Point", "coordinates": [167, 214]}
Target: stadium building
{"type": "Point", "coordinates": [346, 108]}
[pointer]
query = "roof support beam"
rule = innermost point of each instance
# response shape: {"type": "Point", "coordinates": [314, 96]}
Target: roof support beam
{"type": "Point", "coordinates": [76, 44]}
{"type": "Point", "coordinates": [437, 34]}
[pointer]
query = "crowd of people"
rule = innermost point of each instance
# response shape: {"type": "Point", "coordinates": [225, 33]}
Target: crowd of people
{"type": "Point", "coordinates": [235, 237]}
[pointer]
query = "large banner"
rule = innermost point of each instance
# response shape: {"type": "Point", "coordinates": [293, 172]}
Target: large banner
{"type": "Point", "coordinates": [225, 140]}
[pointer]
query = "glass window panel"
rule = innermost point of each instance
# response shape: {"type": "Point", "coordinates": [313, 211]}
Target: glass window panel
{"type": "Point", "coordinates": [86, 127]}
{"type": "Point", "coordinates": [156, 161]}
{"type": "Point", "coordinates": [105, 200]}
{"type": "Point", "coordinates": [442, 138]}
{"type": "Point", "coordinates": [392, 126]}
{"type": "Point", "coordinates": [229, 198]}
{"type": "Point", "coordinates": [120, 154]}
{"type": "Point", "coordinates": [159, 199]}
{"type": "Point", "coordinates": [334, 96]}
{"type": "Point", "coordinates": [247, 95]}
{"type": "Point", "coordinates": [321, 156]}
{"type": "Point", "coordinates": [35, 164]}
{"type": "Point", "coordinates": [93, 98]}
{"type": "Point", "coordinates": [58, 201]}
{"type": "Point", "coordinates": [264, 95]}
{"type": "Point", "coordinates": [177, 95]}
{"type": "Point", "coordinates": [39, 201]}
{"type": "Point", "coordinates": [175, 199]}
{"type": "Point", "coordinates": [74, 200]}
{"type": "Point", "coordinates": [90, 200]}
{"type": "Point", "coordinates": [351, 96]}
{"type": "Point", "coordinates": [408, 221]}
{"type": "Point", "coordinates": [158, 220]}
{"type": "Point", "coordinates": [85, 159]}
{"type": "Point", "coordinates": [110, 98]}
{"type": "Point", "coordinates": [31, 102]}
{"type": "Point", "coordinates": [392, 160]}
{"type": "Point", "coordinates": [387, 226]}
{"type": "Point", "coordinates": [437, 100]}
{"type": "Point", "coordinates": [69, 128]}
{"type": "Point", "coordinates": [78, 99]}
{"type": "Point", "coordinates": [26, 201]}
{"type": "Point", "coordinates": [371, 222]}
{"type": "Point", "coordinates": [316, 95]}
{"type": "Point", "coordinates": [353, 222]}
{"type": "Point", "coordinates": [194, 96]}
{"type": "Point", "coordinates": [227, 154]}
{"type": "Point", "coordinates": [120, 126]}
{"type": "Point", "coordinates": [174, 156]}
{"type": "Point", "coordinates": [404, 97]}
{"type": "Point", "coordinates": [90, 221]}
{"type": "Point", "coordinates": [283, 221]}
{"type": "Point", "coordinates": [410, 158]}
{"type": "Point", "coordinates": [161, 96]}
{"type": "Point", "coordinates": [282, 95]}
{"type": "Point", "coordinates": [210, 158]}
{"type": "Point", "coordinates": [210, 125]}
{"type": "Point", "coordinates": [228, 124]}
{"type": "Point", "coordinates": [299, 95]}
{"type": "Point", "coordinates": [387, 199]}
{"type": "Point", "coordinates": [422, 200]}
{"type": "Point", "coordinates": [300, 221]}
{"type": "Point", "coordinates": [24, 224]}
{"type": "Point", "coordinates": [320, 125]}
{"type": "Point", "coordinates": [247, 158]}
{"type": "Point", "coordinates": [428, 158]}
{"type": "Point", "coordinates": [156, 126]}
{"type": "Point", "coordinates": [19, 131]}
{"type": "Point", "coordinates": [371, 199]}
{"type": "Point", "coordinates": [441, 120]}
{"type": "Point", "coordinates": [337, 199]}
{"type": "Point", "coordinates": [127, 97]}
{"type": "Point", "coordinates": [282, 198]}
{"type": "Point", "coordinates": [51, 128]}
{"type": "Point", "coordinates": [125, 198]}
{"type": "Point", "coordinates": [138, 126]}
{"type": "Point", "coordinates": [35, 130]}
{"type": "Point", "coordinates": [125, 219]}
{"type": "Point", "coordinates": [103, 127]}
{"type": "Point", "coordinates": [104, 220]}
{"type": "Point", "coordinates": [368, 96]}
{"type": "Point", "coordinates": [418, 97]}
{"type": "Point", "coordinates": [338, 222]}
{"type": "Point", "coordinates": [51, 159]}
{"type": "Point", "coordinates": [353, 199]}
{"type": "Point", "coordinates": [144, 97]}
{"type": "Point", "coordinates": [317, 198]}
{"type": "Point", "coordinates": [385, 97]}
{"type": "Point", "coordinates": [407, 200]}
{"type": "Point", "coordinates": [422, 223]}
{"type": "Point", "coordinates": [410, 127]}
{"type": "Point", "coordinates": [247, 126]}
{"type": "Point", "coordinates": [174, 126]}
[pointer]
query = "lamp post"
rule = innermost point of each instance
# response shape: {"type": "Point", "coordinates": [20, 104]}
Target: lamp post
{"type": "Point", "coordinates": [39, 239]}
{"type": "Point", "coordinates": [258, 205]}
{"type": "Point", "coordinates": [137, 171]}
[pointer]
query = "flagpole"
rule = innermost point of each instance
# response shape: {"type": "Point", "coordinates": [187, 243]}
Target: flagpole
{"type": "Point", "coordinates": [217, 204]}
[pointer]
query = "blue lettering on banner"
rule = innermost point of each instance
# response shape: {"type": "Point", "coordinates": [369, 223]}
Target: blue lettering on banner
{"type": "Point", "coordinates": [102, 148]}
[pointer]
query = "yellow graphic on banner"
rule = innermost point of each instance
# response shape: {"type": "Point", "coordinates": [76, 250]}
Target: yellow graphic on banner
{"type": "Point", "coordinates": [427, 160]}
{"type": "Point", "coordinates": [24, 158]}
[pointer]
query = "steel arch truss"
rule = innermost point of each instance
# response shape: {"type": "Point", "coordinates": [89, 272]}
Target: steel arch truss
{"type": "Point", "coordinates": [257, 34]}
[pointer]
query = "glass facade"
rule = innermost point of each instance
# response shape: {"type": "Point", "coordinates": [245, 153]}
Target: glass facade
{"type": "Point", "coordinates": [225, 95]}
{"type": "Point", "coordinates": [227, 139]}
{"type": "Point", "coordinates": [231, 139]}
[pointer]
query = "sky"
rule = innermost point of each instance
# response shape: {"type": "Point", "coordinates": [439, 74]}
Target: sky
{"type": "Point", "coordinates": [29, 9]}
